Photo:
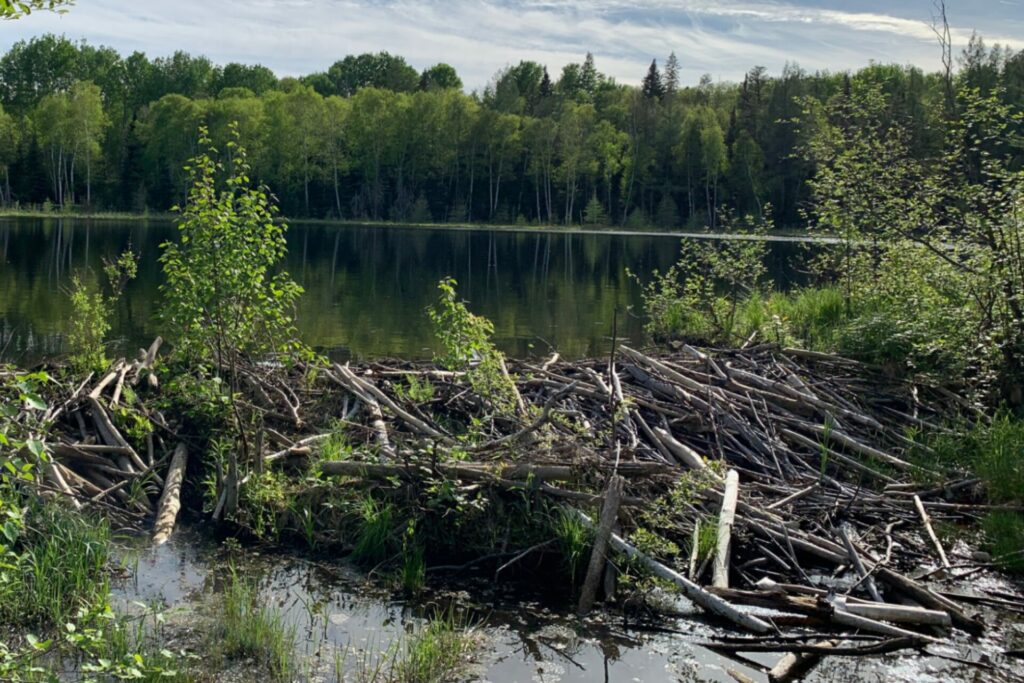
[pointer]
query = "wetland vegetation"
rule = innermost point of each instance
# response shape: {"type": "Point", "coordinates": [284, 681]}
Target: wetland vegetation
{"type": "Point", "coordinates": [842, 451]}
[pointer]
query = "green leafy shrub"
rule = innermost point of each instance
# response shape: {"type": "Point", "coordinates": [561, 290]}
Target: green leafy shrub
{"type": "Point", "coordinates": [92, 311]}
{"type": "Point", "coordinates": [224, 295]}
{"type": "Point", "coordinates": [466, 340]}
{"type": "Point", "coordinates": [700, 298]}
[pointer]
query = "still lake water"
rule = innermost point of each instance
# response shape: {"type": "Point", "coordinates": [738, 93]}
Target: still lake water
{"type": "Point", "coordinates": [367, 287]}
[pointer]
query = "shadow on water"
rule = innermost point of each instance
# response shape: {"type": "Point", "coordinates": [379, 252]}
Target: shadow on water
{"type": "Point", "coordinates": [366, 287]}
{"type": "Point", "coordinates": [524, 637]}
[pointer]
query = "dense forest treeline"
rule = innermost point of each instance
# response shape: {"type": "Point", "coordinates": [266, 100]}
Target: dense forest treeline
{"type": "Point", "coordinates": [372, 138]}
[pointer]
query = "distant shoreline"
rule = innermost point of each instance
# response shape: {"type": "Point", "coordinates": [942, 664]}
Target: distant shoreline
{"type": "Point", "coordinates": [781, 235]}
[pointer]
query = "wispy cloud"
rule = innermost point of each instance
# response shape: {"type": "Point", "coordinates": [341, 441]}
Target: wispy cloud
{"type": "Point", "coordinates": [723, 38]}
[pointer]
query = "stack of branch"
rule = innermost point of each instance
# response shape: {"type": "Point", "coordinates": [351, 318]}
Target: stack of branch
{"type": "Point", "coordinates": [801, 460]}
{"type": "Point", "coordinates": [823, 505]}
{"type": "Point", "coordinates": [93, 464]}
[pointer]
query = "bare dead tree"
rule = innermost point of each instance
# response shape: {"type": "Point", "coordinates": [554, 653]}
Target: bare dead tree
{"type": "Point", "coordinates": [940, 26]}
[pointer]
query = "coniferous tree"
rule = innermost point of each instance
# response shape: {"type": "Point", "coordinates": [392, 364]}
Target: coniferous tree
{"type": "Point", "coordinates": [588, 76]}
{"type": "Point", "coordinates": [546, 87]}
{"type": "Point", "coordinates": [652, 87]}
{"type": "Point", "coordinates": [670, 79]}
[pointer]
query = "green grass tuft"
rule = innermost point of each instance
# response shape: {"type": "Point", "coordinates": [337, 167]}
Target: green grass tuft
{"type": "Point", "coordinates": [63, 568]}
{"type": "Point", "coordinates": [249, 630]}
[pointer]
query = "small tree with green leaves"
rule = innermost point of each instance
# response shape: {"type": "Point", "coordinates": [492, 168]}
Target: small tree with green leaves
{"type": "Point", "coordinates": [466, 339]}
{"type": "Point", "coordinates": [593, 213]}
{"type": "Point", "coordinates": [223, 301]}
{"type": "Point", "coordinates": [92, 311]}
{"type": "Point", "coordinates": [699, 297]}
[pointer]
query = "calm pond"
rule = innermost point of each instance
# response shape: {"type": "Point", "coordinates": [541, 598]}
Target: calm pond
{"type": "Point", "coordinates": [367, 287]}
{"type": "Point", "coordinates": [366, 291]}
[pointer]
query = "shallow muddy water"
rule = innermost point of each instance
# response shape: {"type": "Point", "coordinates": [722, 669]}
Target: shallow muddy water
{"type": "Point", "coordinates": [339, 614]}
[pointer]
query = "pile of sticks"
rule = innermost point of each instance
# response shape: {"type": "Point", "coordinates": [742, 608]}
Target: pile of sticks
{"type": "Point", "coordinates": [91, 462]}
{"type": "Point", "coordinates": [823, 504]}
{"type": "Point", "coordinates": [801, 460]}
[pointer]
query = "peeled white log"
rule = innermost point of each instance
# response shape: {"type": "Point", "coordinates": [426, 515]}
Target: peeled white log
{"type": "Point", "coordinates": [843, 617]}
{"type": "Point", "coordinates": [170, 501]}
{"type": "Point", "coordinates": [931, 532]}
{"type": "Point", "coordinates": [686, 456]}
{"type": "Point", "coordinates": [900, 614]}
{"type": "Point", "coordinates": [725, 521]}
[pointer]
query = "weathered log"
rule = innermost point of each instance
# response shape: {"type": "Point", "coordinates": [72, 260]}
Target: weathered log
{"type": "Point", "coordinates": [54, 473]}
{"type": "Point", "coordinates": [353, 381]}
{"type": "Point", "coordinates": [929, 598]}
{"type": "Point", "coordinates": [793, 666]}
{"type": "Point", "coordinates": [931, 532]}
{"type": "Point", "coordinates": [112, 436]}
{"type": "Point", "coordinates": [868, 580]}
{"type": "Point", "coordinates": [686, 456]}
{"type": "Point", "coordinates": [107, 379]}
{"type": "Point", "coordinates": [900, 614]}
{"type": "Point", "coordinates": [843, 617]}
{"type": "Point", "coordinates": [170, 501]}
{"type": "Point", "coordinates": [725, 522]}
{"type": "Point", "coordinates": [145, 364]}
{"type": "Point", "coordinates": [300, 447]}
{"type": "Point", "coordinates": [595, 568]}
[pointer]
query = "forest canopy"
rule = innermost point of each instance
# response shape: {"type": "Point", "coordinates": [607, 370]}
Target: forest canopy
{"type": "Point", "coordinates": [373, 138]}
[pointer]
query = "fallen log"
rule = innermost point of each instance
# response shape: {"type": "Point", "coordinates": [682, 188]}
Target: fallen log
{"type": "Point", "coordinates": [698, 595]}
{"type": "Point", "coordinates": [931, 532]}
{"type": "Point", "coordinates": [929, 598]}
{"type": "Point", "coordinates": [725, 522]}
{"type": "Point", "coordinates": [793, 665]}
{"type": "Point", "coordinates": [170, 501]}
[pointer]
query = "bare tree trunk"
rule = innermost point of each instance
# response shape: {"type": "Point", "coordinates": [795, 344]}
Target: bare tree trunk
{"type": "Point", "coordinates": [88, 179]}
{"type": "Point", "coordinates": [337, 195]}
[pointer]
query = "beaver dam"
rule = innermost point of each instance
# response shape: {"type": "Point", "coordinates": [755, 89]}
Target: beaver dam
{"type": "Point", "coordinates": [780, 491]}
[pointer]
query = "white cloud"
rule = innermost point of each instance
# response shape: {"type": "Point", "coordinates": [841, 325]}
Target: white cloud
{"type": "Point", "coordinates": [478, 37]}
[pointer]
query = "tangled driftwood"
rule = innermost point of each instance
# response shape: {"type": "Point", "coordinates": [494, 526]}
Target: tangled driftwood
{"type": "Point", "coordinates": [818, 498]}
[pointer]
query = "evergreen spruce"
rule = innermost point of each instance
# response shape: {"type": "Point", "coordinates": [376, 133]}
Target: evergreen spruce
{"type": "Point", "coordinates": [546, 87]}
{"type": "Point", "coordinates": [670, 79]}
{"type": "Point", "coordinates": [652, 87]}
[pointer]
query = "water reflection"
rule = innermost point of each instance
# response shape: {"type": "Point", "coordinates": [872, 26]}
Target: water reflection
{"type": "Point", "coordinates": [366, 287]}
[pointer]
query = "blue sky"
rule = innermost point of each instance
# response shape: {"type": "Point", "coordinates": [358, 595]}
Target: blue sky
{"type": "Point", "coordinates": [723, 38]}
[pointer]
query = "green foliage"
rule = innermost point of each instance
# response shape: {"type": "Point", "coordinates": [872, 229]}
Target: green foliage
{"type": "Point", "coordinates": [416, 389]}
{"type": "Point", "coordinates": [13, 9]}
{"type": "Point", "coordinates": [994, 452]}
{"type": "Point", "coordinates": [414, 568]}
{"type": "Point", "coordinates": [59, 564]}
{"type": "Point", "coordinates": [926, 257]}
{"type": "Point", "coordinates": [200, 400]}
{"type": "Point", "coordinates": [574, 540]}
{"type": "Point", "coordinates": [699, 298]}
{"type": "Point", "coordinates": [223, 297]}
{"type": "Point", "coordinates": [466, 340]}
{"type": "Point", "coordinates": [1004, 532]}
{"type": "Point", "coordinates": [249, 630]}
{"type": "Point", "coordinates": [375, 531]}
{"type": "Point", "coordinates": [434, 653]}
{"type": "Point", "coordinates": [262, 501]}
{"type": "Point", "coordinates": [92, 310]}
{"type": "Point", "coordinates": [593, 213]}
